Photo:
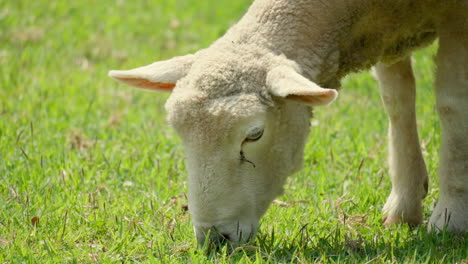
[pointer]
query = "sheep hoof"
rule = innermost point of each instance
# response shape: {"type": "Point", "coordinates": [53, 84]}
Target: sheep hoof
{"type": "Point", "coordinates": [401, 209]}
{"type": "Point", "coordinates": [449, 215]}
{"type": "Point", "coordinates": [394, 219]}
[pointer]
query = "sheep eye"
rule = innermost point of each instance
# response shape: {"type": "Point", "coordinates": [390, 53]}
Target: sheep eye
{"type": "Point", "coordinates": [254, 135]}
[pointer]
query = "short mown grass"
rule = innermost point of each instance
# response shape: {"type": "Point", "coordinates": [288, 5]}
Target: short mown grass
{"type": "Point", "coordinates": [90, 172]}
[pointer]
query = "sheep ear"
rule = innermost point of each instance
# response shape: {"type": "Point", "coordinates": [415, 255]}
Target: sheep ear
{"type": "Point", "coordinates": [285, 82]}
{"type": "Point", "coordinates": [159, 76]}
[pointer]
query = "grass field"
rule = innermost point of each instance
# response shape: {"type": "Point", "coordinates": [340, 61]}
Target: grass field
{"type": "Point", "coordinates": [91, 173]}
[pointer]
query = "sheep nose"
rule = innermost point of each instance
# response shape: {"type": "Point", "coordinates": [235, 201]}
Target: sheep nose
{"type": "Point", "coordinates": [225, 237]}
{"type": "Point", "coordinates": [213, 236]}
{"type": "Point", "coordinates": [222, 234]}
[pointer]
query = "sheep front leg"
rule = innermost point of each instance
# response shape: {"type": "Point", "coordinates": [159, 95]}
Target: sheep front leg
{"type": "Point", "coordinates": [407, 168]}
{"type": "Point", "coordinates": [451, 211]}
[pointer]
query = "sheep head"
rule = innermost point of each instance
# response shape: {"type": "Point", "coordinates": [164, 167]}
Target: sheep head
{"type": "Point", "coordinates": [243, 118]}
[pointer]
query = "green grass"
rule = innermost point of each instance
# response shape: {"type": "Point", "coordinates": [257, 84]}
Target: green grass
{"type": "Point", "coordinates": [90, 171]}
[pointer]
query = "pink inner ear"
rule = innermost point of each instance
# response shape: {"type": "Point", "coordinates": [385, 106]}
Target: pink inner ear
{"type": "Point", "coordinates": [145, 84]}
{"type": "Point", "coordinates": [304, 98]}
{"type": "Point", "coordinates": [313, 99]}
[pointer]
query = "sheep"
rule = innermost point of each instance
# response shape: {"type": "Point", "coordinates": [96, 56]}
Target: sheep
{"type": "Point", "coordinates": [242, 106]}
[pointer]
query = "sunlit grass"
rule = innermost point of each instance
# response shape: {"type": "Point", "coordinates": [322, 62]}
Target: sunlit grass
{"type": "Point", "coordinates": [90, 171]}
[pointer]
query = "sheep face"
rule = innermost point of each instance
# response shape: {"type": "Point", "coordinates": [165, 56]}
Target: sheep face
{"type": "Point", "coordinates": [243, 125]}
{"type": "Point", "coordinates": [239, 151]}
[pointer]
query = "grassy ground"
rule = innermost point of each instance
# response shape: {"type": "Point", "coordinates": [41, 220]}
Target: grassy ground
{"type": "Point", "coordinates": [90, 172]}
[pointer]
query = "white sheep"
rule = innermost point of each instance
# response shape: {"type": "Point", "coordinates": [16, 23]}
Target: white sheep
{"type": "Point", "coordinates": [242, 105]}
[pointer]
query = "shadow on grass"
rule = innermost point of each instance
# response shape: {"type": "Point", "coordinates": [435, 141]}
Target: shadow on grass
{"type": "Point", "coordinates": [396, 244]}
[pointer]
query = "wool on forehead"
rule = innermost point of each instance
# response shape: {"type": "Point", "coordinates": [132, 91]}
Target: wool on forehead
{"type": "Point", "coordinates": [196, 115]}
{"type": "Point", "coordinates": [228, 72]}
